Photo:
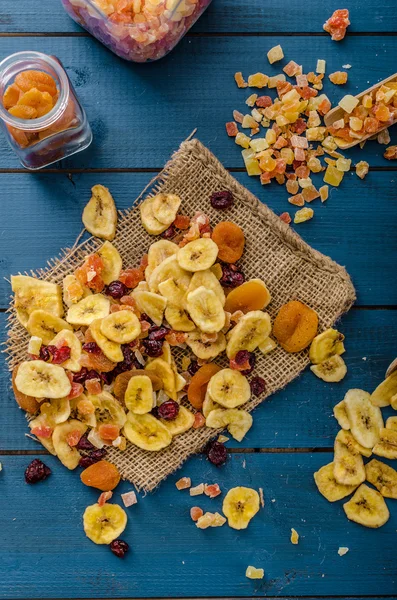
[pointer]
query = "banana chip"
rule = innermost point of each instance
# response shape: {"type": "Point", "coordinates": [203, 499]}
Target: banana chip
{"type": "Point", "coordinates": [329, 487]}
{"type": "Point", "coordinates": [103, 524]}
{"type": "Point", "coordinates": [383, 477]}
{"type": "Point", "coordinates": [100, 214]}
{"type": "Point", "coordinates": [239, 506]}
{"type": "Point", "coordinates": [367, 507]}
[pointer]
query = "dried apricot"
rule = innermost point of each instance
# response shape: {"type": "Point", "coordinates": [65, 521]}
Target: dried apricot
{"type": "Point", "coordinates": [295, 326]}
{"type": "Point", "coordinates": [102, 475]}
{"type": "Point", "coordinates": [198, 385]}
{"type": "Point", "coordinates": [28, 403]}
{"type": "Point", "coordinates": [41, 101]}
{"type": "Point", "coordinates": [121, 381]}
{"type": "Point", "coordinates": [23, 112]}
{"type": "Point", "coordinates": [27, 80]}
{"type": "Point", "coordinates": [251, 295]}
{"type": "Point", "coordinates": [230, 240]}
{"type": "Point", "coordinates": [11, 96]}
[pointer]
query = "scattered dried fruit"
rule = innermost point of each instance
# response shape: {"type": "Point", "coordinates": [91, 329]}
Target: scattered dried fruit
{"type": "Point", "coordinates": [36, 471]}
{"type": "Point", "coordinates": [295, 326]}
{"type": "Point", "coordinates": [102, 475]}
{"type": "Point", "coordinates": [184, 483]}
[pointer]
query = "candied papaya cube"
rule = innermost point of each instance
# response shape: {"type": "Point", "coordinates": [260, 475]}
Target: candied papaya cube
{"type": "Point", "coordinates": [324, 105]}
{"type": "Point", "coordinates": [231, 129]}
{"type": "Point", "coordinates": [301, 80]}
{"type": "Point", "coordinates": [348, 103]}
{"type": "Point", "coordinates": [286, 217]}
{"type": "Point", "coordinates": [275, 54]}
{"type": "Point", "coordinates": [271, 136]}
{"type": "Point", "coordinates": [272, 83]}
{"type": "Point", "coordinates": [333, 176]}
{"type": "Point", "coordinates": [251, 163]}
{"type": "Point", "coordinates": [320, 68]}
{"type": "Point", "coordinates": [314, 119]}
{"type": "Point", "coordinates": [310, 193]}
{"type": "Point", "coordinates": [343, 164]}
{"type": "Point", "coordinates": [267, 163]}
{"type": "Point", "coordinates": [304, 214]}
{"type": "Point", "coordinates": [381, 112]}
{"type": "Point", "coordinates": [256, 115]}
{"type": "Point", "coordinates": [297, 200]}
{"type": "Point", "coordinates": [299, 154]}
{"type": "Point", "coordinates": [292, 68]}
{"type": "Point", "coordinates": [251, 100]}
{"type": "Point", "coordinates": [337, 24]}
{"type": "Point", "coordinates": [355, 124]}
{"type": "Point", "coordinates": [362, 169]}
{"type": "Point", "coordinates": [367, 101]}
{"type": "Point", "coordinates": [324, 189]}
{"type": "Point", "coordinates": [248, 122]}
{"type": "Point", "coordinates": [280, 143]}
{"type": "Point", "coordinates": [281, 120]}
{"type": "Point", "coordinates": [315, 134]}
{"type": "Point", "coordinates": [258, 80]}
{"type": "Point", "coordinates": [263, 101]}
{"type": "Point", "coordinates": [238, 116]}
{"type": "Point", "coordinates": [298, 141]}
{"type": "Point", "coordinates": [292, 186]}
{"type": "Point", "coordinates": [259, 145]}
{"type": "Point", "coordinates": [288, 155]}
{"type": "Point", "coordinates": [242, 140]}
{"type": "Point", "coordinates": [283, 87]}
{"type": "Point", "coordinates": [338, 78]}
{"type": "Point", "coordinates": [314, 164]}
{"type": "Point", "coordinates": [239, 79]}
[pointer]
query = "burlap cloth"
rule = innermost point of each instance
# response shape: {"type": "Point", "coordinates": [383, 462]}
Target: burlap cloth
{"type": "Point", "coordinates": [274, 252]}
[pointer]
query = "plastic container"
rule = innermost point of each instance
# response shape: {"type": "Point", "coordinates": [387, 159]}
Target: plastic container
{"type": "Point", "coordinates": [61, 132]}
{"type": "Point", "coordinates": [137, 30]}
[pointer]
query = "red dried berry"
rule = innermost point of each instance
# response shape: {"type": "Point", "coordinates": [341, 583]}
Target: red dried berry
{"type": "Point", "coordinates": [217, 453]}
{"type": "Point", "coordinates": [244, 362]}
{"type": "Point", "coordinates": [85, 444]}
{"type": "Point", "coordinates": [222, 200]}
{"type": "Point", "coordinates": [193, 367]}
{"type": "Point", "coordinates": [36, 471]}
{"type": "Point", "coordinates": [61, 354]}
{"type": "Point", "coordinates": [169, 410]}
{"type": "Point", "coordinates": [91, 348]}
{"type": "Point", "coordinates": [152, 348]}
{"type": "Point", "coordinates": [169, 233]}
{"type": "Point", "coordinates": [92, 457]}
{"type": "Point", "coordinates": [158, 333]}
{"type": "Point", "coordinates": [258, 386]}
{"type": "Point", "coordinates": [231, 276]}
{"type": "Point", "coordinates": [45, 354]}
{"type": "Point", "coordinates": [116, 290]}
{"type": "Point", "coordinates": [119, 548]}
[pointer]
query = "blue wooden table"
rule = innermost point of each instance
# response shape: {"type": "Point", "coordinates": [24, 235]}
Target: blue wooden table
{"type": "Point", "coordinates": [139, 115]}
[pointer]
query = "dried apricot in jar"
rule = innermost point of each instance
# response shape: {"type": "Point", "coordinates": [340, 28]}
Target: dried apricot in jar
{"type": "Point", "coordinates": [41, 101]}
{"type": "Point", "coordinates": [198, 385]}
{"type": "Point", "coordinates": [230, 240]}
{"type": "Point", "coordinates": [11, 96]}
{"type": "Point", "coordinates": [27, 80]}
{"type": "Point", "coordinates": [23, 112]}
{"type": "Point", "coordinates": [295, 326]}
{"type": "Point", "coordinates": [251, 295]}
{"type": "Point", "coordinates": [102, 475]}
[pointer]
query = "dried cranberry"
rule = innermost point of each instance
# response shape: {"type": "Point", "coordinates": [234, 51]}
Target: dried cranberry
{"type": "Point", "coordinates": [85, 444]}
{"type": "Point", "coordinates": [36, 471]}
{"type": "Point", "coordinates": [169, 410]}
{"type": "Point", "coordinates": [59, 355]}
{"type": "Point", "coordinates": [116, 290]}
{"type": "Point", "coordinates": [222, 200]}
{"type": "Point", "coordinates": [157, 333]}
{"type": "Point", "coordinates": [45, 354]}
{"type": "Point", "coordinates": [80, 377]}
{"type": "Point", "coordinates": [169, 233]}
{"type": "Point", "coordinates": [145, 317]}
{"type": "Point", "coordinates": [92, 458]}
{"type": "Point", "coordinates": [91, 348]}
{"type": "Point", "coordinates": [153, 348]}
{"type": "Point", "coordinates": [258, 386]}
{"type": "Point", "coordinates": [193, 367]}
{"type": "Point", "coordinates": [231, 277]}
{"type": "Point", "coordinates": [248, 359]}
{"type": "Point", "coordinates": [155, 412]}
{"type": "Point", "coordinates": [107, 378]}
{"type": "Point", "coordinates": [217, 453]}
{"type": "Point", "coordinates": [119, 548]}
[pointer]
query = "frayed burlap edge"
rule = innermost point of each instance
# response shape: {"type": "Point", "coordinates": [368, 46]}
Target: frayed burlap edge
{"type": "Point", "coordinates": [274, 252]}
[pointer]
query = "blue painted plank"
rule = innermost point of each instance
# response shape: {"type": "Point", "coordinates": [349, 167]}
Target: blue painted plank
{"type": "Point", "coordinates": [223, 16]}
{"type": "Point", "coordinates": [140, 113]}
{"type": "Point", "coordinates": [43, 540]}
{"type": "Point", "coordinates": [42, 214]}
{"type": "Point", "coordinates": [300, 416]}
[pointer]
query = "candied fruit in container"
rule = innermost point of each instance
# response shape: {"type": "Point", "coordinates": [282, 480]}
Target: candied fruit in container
{"type": "Point", "coordinates": [139, 31]}
{"type": "Point", "coordinates": [348, 103]}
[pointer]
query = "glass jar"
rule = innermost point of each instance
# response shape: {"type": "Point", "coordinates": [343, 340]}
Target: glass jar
{"type": "Point", "coordinates": [63, 131]}
{"type": "Point", "coordinates": [137, 30]}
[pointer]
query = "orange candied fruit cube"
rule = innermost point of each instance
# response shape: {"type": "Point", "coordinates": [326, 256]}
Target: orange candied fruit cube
{"type": "Point", "coordinates": [286, 217]}
{"type": "Point", "coordinates": [267, 163]}
{"type": "Point", "coordinates": [338, 78]}
{"type": "Point", "coordinates": [231, 129]}
{"type": "Point", "coordinates": [297, 200]}
{"type": "Point", "coordinates": [258, 80]}
{"type": "Point", "coordinates": [381, 112]}
{"type": "Point", "coordinates": [337, 24]}
{"type": "Point", "coordinates": [292, 69]}
{"type": "Point", "coordinates": [239, 79]}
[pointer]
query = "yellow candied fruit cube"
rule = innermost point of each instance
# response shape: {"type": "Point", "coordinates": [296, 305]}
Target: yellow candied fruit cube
{"type": "Point", "coordinates": [265, 122]}
{"type": "Point", "coordinates": [34, 345]}
{"type": "Point", "coordinates": [267, 162]}
{"type": "Point", "coordinates": [367, 101]}
{"type": "Point", "coordinates": [291, 117]}
{"type": "Point", "coordinates": [315, 134]}
{"type": "Point", "coordinates": [338, 78]}
{"type": "Point", "coordinates": [242, 140]}
{"type": "Point", "coordinates": [253, 573]}
{"type": "Point", "coordinates": [343, 164]}
{"type": "Point", "coordinates": [389, 95]}
{"type": "Point", "coordinates": [314, 164]}
{"type": "Point", "coordinates": [249, 122]}
{"type": "Point", "coordinates": [291, 96]}
{"type": "Point", "coordinates": [288, 155]}
{"type": "Point", "coordinates": [256, 115]}
{"type": "Point", "coordinates": [239, 79]}
{"type": "Point", "coordinates": [251, 100]}
{"type": "Point", "coordinates": [305, 183]}
{"type": "Point", "coordinates": [275, 54]}
{"type": "Point", "coordinates": [333, 176]}
{"type": "Point", "coordinates": [348, 103]}
{"type": "Point", "coordinates": [258, 80]}
{"type": "Point", "coordinates": [314, 119]}
{"type": "Point", "coordinates": [259, 145]}
{"type": "Point", "coordinates": [304, 214]}
{"type": "Point", "coordinates": [330, 161]}
{"type": "Point", "coordinates": [320, 68]}
{"type": "Point", "coordinates": [355, 123]}
{"type": "Point", "coordinates": [324, 192]}
{"type": "Point", "coordinates": [272, 83]}
{"type": "Point", "coordinates": [251, 163]}
{"type": "Point", "coordinates": [282, 121]}
{"type": "Point", "coordinates": [362, 169]}
{"type": "Point", "coordinates": [329, 143]}
{"type": "Point", "coordinates": [271, 136]}
{"type": "Point", "coordinates": [294, 536]}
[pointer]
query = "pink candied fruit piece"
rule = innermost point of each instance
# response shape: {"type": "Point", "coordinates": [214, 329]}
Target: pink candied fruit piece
{"type": "Point", "coordinates": [213, 490]}
{"type": "Point", "coordinates": [280, 143]}
{"type": "Point", "coordinates": [231, 129]}
{"type": "Point", "coordinates": [93, 386]}
{"type": "Point", "coordinates": [195, 513]}
{"type": "Point", "coordinates": [199, 420]}
{"type": "Point", "coordinates": [337, 24]}
{"type": "Point", "coordinates": [299, 142]}
{"type": "Point", "coordinates": [292, 68]}
{"type": "Point", "coordinates": [42, 431]}
{"type": "Point", "coordinates": [104, 497]}
{"type": "Point", "coordinates": [184, 483]}
{"type": "Point", "coordinates": [299, 154]}
{"type": "Point", "coordinates": [286, 218]}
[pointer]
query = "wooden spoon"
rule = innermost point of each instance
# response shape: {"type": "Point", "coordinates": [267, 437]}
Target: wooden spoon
{"type": "Point", "coordinates": [338, 113]}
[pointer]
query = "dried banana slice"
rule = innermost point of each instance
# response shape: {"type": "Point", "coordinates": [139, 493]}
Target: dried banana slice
{"type": "Point", "coordinates": [151, 304]}
{"type": "Point", "coordinates": [239, 506]}
{"type": "Point", "coordinates": [170, 280]}
{"type": "Point", "coordinates": [267, 345]}
{"type": "Point", "coordinates": [147, 432]}
{"type": "Point", "coordinates": [251, 330]}
{"type": "Point", "coordinates": [88, 310]}
{"type": "Point", "coordinates": [121, 327]}
{"type": "Point", "coordinates": [73, 290]}
{"type": "Point", "coordinates": [183, 422]}
{"type": "Point", "coordinates": [206, 350]}
{"type": "Point", "coordinates": [68, 338]}
{"type": "Point", "coordinates": [383, 477]}
{"type": "Point", "coordinates": [165, 207]}
{"type": "Point", "coordinates": [112, 262]}
{"type": "Point", "coordinates": [100, 214]}
{"type": "Point", "coordinates": [326, 344]}
{"type": "Point", "coordinates": [365, 419]}
{"type": "Point", "coordinates": [148, 220]}
{"type": "Point", "coordinates": [178, 318]}
{"type": "Point", "coordinates": [139, 395]}
{"type": "Point", "coordinates": [209, 405]}
{"type": "Point", "coordinates": [163, 369]}
{"type": "Point", "coordinates": [108, 410]}
{"type": "Point", "coordinates": [385, 391]}
{"type": "Point", "coordinates": [55, 412]}
{"type": "Point", "coordinates": [112, 350]}
{"type": "Point", "coordinates": [209, 281]}
{"type": "Point", "coordinates": [387, 446]}
{"type": "Point", "coordinates": [68, 455]}
{"type": "Point", "coordinates": [39, 421]}
{"type": "Point", "coordinates": [42, 380]}
{"type": "Point", "coordinates": [237, 421]}
{"type": "Point", "coordinates": [33, 294]}
{"type": "Point", "coordinates": [206, 310]}
{"type": "Point", "coordinates": [198, 255]}
{"type": "Point", "coordinates": [348, 462]}
{"type": "Point", "coordinates": [158, 252]}
{"type": "Point", "coordinates": [391, 423]}
{"type": "Point", "coordinates": [229, 388]}
{"type": "Point", "coordinates": [103, 524]}
{"type": "Point", "coordinates": [367, 507]}
{"type": "Point", "coordinates": [340, 415]}
{"type": "Point", "coordinates": [329, 487]}
{"type": "Point", "coordinates": [332, 370]}
{"type": "Point", "coordinates": [45, 325]}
